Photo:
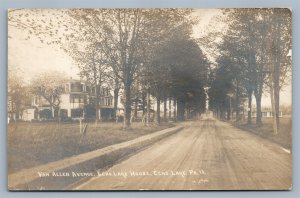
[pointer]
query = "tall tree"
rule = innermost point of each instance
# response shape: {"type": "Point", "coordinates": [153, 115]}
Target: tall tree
{"type": "Point", "coordinates": [93, 69]}
{"type": "Point", "coordinates": [19, 96]}
{"type": "Point", "coordinates": [258, 41]}
{"type": "Point", "coordinates": [50, 86]}
{"type": "Point", "coordinates": [182, 69]}
{"type": "Point", "coordinates": [278, 22]}
{"type": "Point", "coordinates": [221, 87]}
{"type": "Point", "coordinates": [245, 43]}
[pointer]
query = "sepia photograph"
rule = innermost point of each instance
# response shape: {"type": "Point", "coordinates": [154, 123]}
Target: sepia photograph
{"type": "Point", "coordinates": [149, 99]}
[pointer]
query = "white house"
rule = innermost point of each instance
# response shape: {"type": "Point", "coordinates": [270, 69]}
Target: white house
{"type": "Point", "coordinates": [77, 101]}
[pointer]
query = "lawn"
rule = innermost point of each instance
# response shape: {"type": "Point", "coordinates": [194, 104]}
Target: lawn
{"type": "Point", "coordinates": [32, 144]}
{"type": "Point", "coordinates": [284, 136]}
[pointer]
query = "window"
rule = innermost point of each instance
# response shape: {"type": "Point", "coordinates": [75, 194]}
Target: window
{"type": "Point", "coordinates": [77, 87]}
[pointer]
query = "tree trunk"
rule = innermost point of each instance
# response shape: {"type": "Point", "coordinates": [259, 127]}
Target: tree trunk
{"type": "Point", "coordinates": [275, 129]}
{"type": "Point", "coordinates": [274, 91]}
{"type": "Point", "coordinates": [165, 109]}
{"type": "Point", "coordinates": [135, 108]}
{"type": "Point", "coordinates": [222, 113]}
{"type": "Point", "coordinates": [144, 96]}
{"type": "Point", "coordinates": [96, 95]}
{"type": "Point", "coordinates": [237, 115]}
{"type": "Point", "coordinates": [249, 119]}
{"type": "Point", "coordinates": [51, 106]}
{"type": "Point", "coordinates": [174, 112]}
{"type": "Point", "coordinates": [229, 110]}
{"type": "Point", "coordinates": [158, 110]}
{"type": "Point", "coordinates": [136, 99]}
{"type": "Point", "coordinates": [127, 113]}
{"type": "Point", "coordinates": [228, 114]}
{"type": "Point", "coordinates": [276, 99]}
{"type": "Point", "coordinates": [97, 106]}
{"type": "Point", "coordinates": [276, 72]}
{"type": "Point", "coordinates": [258, 94]}
{"type": "Point", "coordinates": [59, 116]}
{"type": "Point", "coordinates": [170, 112]}
{"type": "Point", "coordinates": [277, 108]}
{"type": "Point", "coordinates": [116, 98]}
{"type": "Point", "coordinates": [258, 109]}
{"type": "Point", "coordinates": [52, 111]}
{"type": "Point", "coordinates": [180, 110]}
{"type": "Point", "coordinates": [228, 117]}
{"type": "Point", "coordinates": [148, 107]}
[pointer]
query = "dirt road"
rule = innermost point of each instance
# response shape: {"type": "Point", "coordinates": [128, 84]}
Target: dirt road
{"type": "Point", "coordinates": [207, 154]}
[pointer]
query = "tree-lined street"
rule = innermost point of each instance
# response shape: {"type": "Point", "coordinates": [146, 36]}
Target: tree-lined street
{"type": "Point", "coordinates": [206, 155]}
{"type": "Point", "coordinates": [222, 74]}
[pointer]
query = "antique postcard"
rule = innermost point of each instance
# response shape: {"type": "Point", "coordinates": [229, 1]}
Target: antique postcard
{"type": "Point", "coordinates": [149, 99]}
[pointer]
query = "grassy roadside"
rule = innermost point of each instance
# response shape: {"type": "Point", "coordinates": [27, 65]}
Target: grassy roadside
{"type": "Point", "coordinates": [32, 144]}
{"type": "Point", "coordinates": [284, 136]}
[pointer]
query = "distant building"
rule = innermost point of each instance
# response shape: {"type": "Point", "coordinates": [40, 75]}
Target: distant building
{"type": "Point", "coordinates": [77, 101]}
{"type": "Point", "coordinates": [265, 113]}
{"type": "Point", "coordinates": [29, 114]}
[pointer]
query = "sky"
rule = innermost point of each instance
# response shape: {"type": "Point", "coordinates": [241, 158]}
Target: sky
{"type": "Point", "coordinates": [33, 57]}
